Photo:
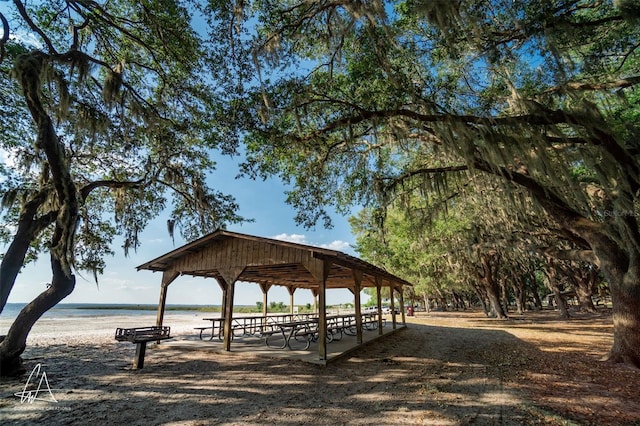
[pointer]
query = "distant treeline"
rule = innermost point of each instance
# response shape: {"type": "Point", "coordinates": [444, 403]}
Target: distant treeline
{"type": "Point", "coordinates": [195, 308]}
{"type": "Point", "coordinates": [214, 308]}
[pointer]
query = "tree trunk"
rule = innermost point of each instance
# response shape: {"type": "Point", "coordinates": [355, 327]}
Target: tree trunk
{"type": "Point", "coordinates": [553, 286]}
{"type": "Point", "coordinates": [619, 263]}
{"type": "Point", "coordinates": [28, 228]}
{"type": "Point", "coordinates": [626, 321]}
{"type": "Point", "coordinates": [458, 301]}
{"type": "Point", "coordinates": [623, 274]}
{"type": "Point", "coordinates": [504, 296]}
{"type": "Point", "coordinates": [482, 296]}
{"type": "Point", "coordinates": [427, 303]}
{"type": "Point", "coordinates": [487, 278]}
{"type": "Point", "coordinates": [442, 300]}
{"type": "Point", "coordinates": [533, 286]}
{"type": "Point", "coordinates": [517, 285]}
{"type": "Point", "coordinates": [66, 218]}
{"type": "Point", "coordinates": [585, 282]}
{"type": "Point", "coordinates": [14, 343]}
{"type": "Point", "coordinates": [493, 295]}
{"type": "Point", "coordinates": [621, 267]}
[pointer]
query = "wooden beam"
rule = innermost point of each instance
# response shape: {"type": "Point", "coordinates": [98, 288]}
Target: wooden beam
{"type": "Point", "coordinates": [265, 297]}
{"type": "Point", "coordinates": [224, 287]}
{"type": "Point", "coordinates": [291, 290]}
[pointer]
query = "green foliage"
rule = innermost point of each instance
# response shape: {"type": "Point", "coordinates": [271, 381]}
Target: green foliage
{"type": "Point", "coordinates": [139, 104]}
{"type": "Point", "coordinates": [439, 249]}
{"type": "Point", "coordinates": [418, 88]}
{"type": "Point", "coordinates": [277, 307]}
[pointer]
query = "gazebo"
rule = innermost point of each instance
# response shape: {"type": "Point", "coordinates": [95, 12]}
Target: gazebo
{"type": "Point", "coordinates": [229, 257]}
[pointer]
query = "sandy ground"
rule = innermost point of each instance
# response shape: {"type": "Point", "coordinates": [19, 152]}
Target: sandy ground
{"type": "Point", "coordinates": [453, 368]}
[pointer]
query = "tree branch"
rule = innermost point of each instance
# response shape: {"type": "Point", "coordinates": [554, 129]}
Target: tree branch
{"type": "Point", "coordinates": [610, 85]}
{"type": "Point", "coordinates": [549, 200]}
{"type": "Point", "coordinates": [547, 117]}
{"type": "Point", "coordinates": [573, 255]}
{"type": "Point", "coordinates": [425, 171]}
{"type": "Point", "coordinates": [87, 189]}
{"type": "Point", "coordinates": [23, 13]}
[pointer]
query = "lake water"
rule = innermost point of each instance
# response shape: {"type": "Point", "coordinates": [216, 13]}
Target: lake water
{"type": "Point", "coordinates": [66, 310]}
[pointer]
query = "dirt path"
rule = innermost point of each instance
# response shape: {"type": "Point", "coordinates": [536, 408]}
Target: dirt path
{"type": "Point", "coordinates": [446, 369]}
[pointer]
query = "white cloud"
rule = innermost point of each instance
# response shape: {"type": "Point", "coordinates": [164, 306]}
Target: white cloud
{"type": "Point", "coordinates": [30, 39]}
{"type": "Point", "coordinates": [292, 238]}
{"type": "Point", "coordinates": [337, 245]}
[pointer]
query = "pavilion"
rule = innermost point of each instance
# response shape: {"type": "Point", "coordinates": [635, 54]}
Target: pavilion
{"type": "Point", "coordinates": [229, 257]}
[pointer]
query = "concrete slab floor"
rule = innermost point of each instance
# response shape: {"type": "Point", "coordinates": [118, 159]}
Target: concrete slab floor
{"type": "Point", "coordinates": [255, 345]}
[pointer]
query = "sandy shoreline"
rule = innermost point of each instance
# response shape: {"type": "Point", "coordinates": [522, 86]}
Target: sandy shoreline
{"type": "Point", "coordinates": [100, 329]}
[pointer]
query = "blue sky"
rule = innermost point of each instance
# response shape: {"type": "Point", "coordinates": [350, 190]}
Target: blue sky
{"type": "Point", "coordinates": [263, 201]}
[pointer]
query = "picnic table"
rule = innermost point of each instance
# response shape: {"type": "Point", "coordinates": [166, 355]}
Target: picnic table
{"type": "Point", "coordinates": [370, 321]}
{"type": "Point", "coordinates": [339, 324]}
{"type": "Point", "coordinates": [140, 336]}
{"type": "Point", "coordinates": [215, 323]}
{"type": "Point", "coordinates": [283, 332]}
{"type": "Point", "coordinates": [255, 325]}
{"type": "Point", "coordinates": [240, 326]}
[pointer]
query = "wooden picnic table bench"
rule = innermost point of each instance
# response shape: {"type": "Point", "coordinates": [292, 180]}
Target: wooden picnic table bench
{"type": "Point", "coordinates": [202, 329]}
{"type": "Point", "coordinates": [284, 332]}
{"type": "Point", "coordinates": [140, 336]}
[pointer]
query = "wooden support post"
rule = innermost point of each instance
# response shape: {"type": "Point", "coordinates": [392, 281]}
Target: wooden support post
{"type": "Point", "coordinates": [265, 304]}
{"type": "Point", "coordinates": [265, 298]}
{"type": "Point", "coordinates": [228, 316]}
{"type": "Point", "coordinates": [320, 269]}
{"type": "Point", "coordinates": [161, 305]}
{"type": "Point", "coordinates": [322, 318]}
{"type": "Point", "coordinates": [229, 277]}
{"type": "Point", "coordinates": [404, 319]}
{"type": "Point", "coordinates": [379, 300]}
{"type": "Point", "coordinates": [392, 306]}
{"type": "Point", "coordinates": [223, 287]}
{"type": "Point", "coordinates": [357, 280]}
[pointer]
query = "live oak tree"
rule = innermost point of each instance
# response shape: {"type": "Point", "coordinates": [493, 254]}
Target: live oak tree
{"type": "Point", "coordinates": [541, 93]}
{"type": "Point", "coordinates": [419, 254]}
{"type": "Point", "coordinates": [467, 239]}
{"type": "Point", "coordinates": [110, 112]}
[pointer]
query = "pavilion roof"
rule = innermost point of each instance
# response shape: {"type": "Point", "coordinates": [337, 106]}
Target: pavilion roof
{"type": "Point", "coordinates": [267, 261]}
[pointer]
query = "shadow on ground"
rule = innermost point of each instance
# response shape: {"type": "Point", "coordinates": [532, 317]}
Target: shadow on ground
{"type": "Point", "coordinates": [424, 375]}
{"type": "Point", "coordinates": [462, 372]}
